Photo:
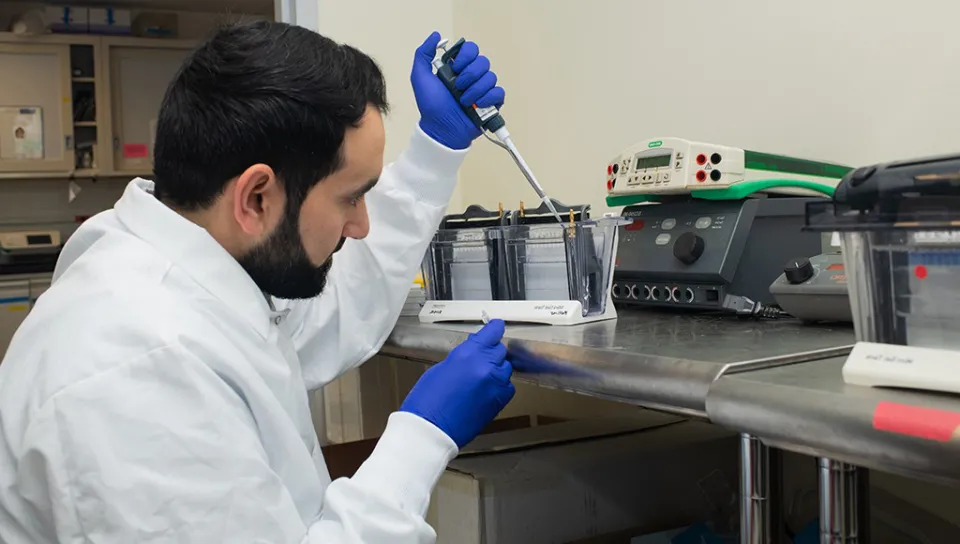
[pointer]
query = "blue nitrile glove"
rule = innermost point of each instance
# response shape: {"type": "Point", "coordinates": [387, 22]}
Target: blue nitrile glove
{"type": "Point", "coordinates": [465, 391]}
{"type": "Point", "coordinates": [440, 115]}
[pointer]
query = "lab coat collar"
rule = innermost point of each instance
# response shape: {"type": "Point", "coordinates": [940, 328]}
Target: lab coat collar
{"type": "Point", "coordinates": [191, 248]}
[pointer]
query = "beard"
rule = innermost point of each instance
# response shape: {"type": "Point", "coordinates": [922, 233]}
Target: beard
{"type": "Point", "coordinates": [281, 267]}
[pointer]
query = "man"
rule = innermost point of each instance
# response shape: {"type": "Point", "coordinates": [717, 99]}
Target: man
{"type": "Point", "coordinates": [158, 391]}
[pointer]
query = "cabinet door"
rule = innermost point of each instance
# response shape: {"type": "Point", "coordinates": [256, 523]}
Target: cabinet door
{"type": "Point", "coordinates": [139, 79]}
{"type": "Point", "coordinates": [36, 120]}
{"type": "Point", "coordinates": [14, 305]}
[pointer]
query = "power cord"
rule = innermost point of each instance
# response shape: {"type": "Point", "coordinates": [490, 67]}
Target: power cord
{"type": "Point", "coordinates": [748, 308]}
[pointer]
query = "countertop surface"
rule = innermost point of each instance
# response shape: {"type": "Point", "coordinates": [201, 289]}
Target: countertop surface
{"type": "Point", "coordinates": [809, 409]}
{"type": "Point", "coordinates": [665, 361]}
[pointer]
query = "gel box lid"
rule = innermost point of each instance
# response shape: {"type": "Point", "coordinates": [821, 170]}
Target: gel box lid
{"type": "Point", "coordinates": [921, 193]}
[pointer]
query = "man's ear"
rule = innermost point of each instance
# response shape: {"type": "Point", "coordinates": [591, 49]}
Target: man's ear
{"type": "Point", "coordinates": [258, 200]}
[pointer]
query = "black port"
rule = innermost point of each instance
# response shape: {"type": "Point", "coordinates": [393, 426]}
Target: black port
{"type": "Point", "coordinates": [616, 291]}
{"type": "Point", "coordinates": [713, 295]}
{"type": "Point", "coordinates": [715, 158]}
{"type": "Point", "coordinates": [616, 168]}
{"type": "Point", "coordinates": [646, 292]}
{"type": "Point", "coordinates": [655, 293]}
{"type": "Point", "coordinates": [715, 175]}
{"type": "Point", "coordinates": [688, 295]}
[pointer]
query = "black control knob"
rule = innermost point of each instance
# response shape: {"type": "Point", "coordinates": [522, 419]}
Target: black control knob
{"type": "Point", "coordinates": [688, 248]}
{"type": "Point", "coordinates": [798, 270]}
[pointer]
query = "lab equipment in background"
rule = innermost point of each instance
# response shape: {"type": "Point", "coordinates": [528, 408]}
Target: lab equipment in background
{"type": "Point", "coordinates": [900, 228]}
{"type": "Point", "coordinates": [29, 252]}
{"type": "Point", "coordinates": [14, 307]}
{"type": "Point", "coordinates": [72, 20]}
{"type": "Point", "coordinates": [674, 166]}
{"type": "Point", "coordinates": [488, 119]}
{"type": "Point", "coordinates": [710, 255]}
{"type": "Point", "coordinates": [814, 289]}
{"type": "Point", "coordinates": [522, 266]}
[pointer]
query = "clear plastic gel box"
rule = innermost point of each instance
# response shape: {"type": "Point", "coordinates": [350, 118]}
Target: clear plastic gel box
{"type": "Point", "coordinates": [536, 262]}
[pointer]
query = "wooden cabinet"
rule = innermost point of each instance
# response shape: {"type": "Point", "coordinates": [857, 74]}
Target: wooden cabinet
{"type": "Point", "coordinates": [139, 75]}
{"type": "Point", "coordinates": [36, 119]}
{"type": "Point", "coordinates": [97, 98]}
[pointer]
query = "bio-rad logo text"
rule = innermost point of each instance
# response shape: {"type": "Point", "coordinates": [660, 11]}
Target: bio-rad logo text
{"type": "Point", "coordinates": [655, 143]}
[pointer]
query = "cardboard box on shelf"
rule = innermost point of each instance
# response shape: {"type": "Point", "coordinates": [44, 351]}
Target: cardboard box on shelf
{"type": "Point", "coordinates": [532, 479]}
{"type": "Point", "coordinates": [67, 19]}
{"type": "Point", "coordinates": [109, 21]}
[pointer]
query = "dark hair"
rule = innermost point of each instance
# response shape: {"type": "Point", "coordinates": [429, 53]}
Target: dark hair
{"type": "Point", "coordinates": [261, 92]}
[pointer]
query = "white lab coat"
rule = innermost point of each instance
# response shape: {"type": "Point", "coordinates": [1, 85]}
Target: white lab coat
{"type": "Point", "coordinates": [153, 395]}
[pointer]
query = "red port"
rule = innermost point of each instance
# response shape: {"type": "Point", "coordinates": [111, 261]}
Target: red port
{"type": "Point", "coordinates": [701, 160]}
{"type": "Point", "coordinates": [920, 272]}
{"type": "Point", "coordinates": [609, 184]}
{"type": "Point", "coordinates": [701, 176]}
{"type": "Point", "coordinates": [636, 225]}
{"type": "Point", "coordinates": [609, 169]}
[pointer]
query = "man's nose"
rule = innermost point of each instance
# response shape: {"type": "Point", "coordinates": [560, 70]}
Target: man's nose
{"type": "Point", "coordinates": [359, 224]}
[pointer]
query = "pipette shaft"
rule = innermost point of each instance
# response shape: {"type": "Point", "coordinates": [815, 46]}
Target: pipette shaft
{"type": "Point", "coordinates": [504, 136]}
{"type": "Point", "coordinates": [489, 119]}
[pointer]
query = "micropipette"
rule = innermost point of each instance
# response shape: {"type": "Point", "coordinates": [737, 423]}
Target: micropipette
{"type": "Point", "coordinates": [487, 119]}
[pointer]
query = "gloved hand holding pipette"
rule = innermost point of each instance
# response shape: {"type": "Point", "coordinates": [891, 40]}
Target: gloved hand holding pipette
{"type": "Point", "coordinates": [466, 76]}
{"type": "Point", "coordinates": [442, 116]}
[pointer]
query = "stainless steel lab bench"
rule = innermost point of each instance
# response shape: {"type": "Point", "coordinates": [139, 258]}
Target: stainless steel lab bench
{"type": "Point", "coordinates": [655, 360]}
{"type": "Point", "coordinates": [778, 383]}
{"type": "Point", "coordinates": [807, 408]}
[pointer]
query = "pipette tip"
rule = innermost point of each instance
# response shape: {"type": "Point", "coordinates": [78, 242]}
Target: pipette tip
{"type": "Point", "coordinates": [553, 209]}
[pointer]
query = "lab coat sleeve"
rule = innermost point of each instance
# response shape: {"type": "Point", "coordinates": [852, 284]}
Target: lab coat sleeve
{"type": "Point", "coordinates": [370, 278]}
{"type": "Point", "coordinates": [164, 450]}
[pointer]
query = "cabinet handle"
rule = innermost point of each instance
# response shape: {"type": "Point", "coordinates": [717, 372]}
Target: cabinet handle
{"type": "Point", "coordinates": [116, 144]}
{"type": "Point", "coordinates": [68, 142]}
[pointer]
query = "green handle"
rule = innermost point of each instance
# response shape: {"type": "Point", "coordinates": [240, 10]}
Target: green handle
{"type": "Point", "coordinates": [744, 189]}
{"type": "Point", "coordinates": [739, 191]}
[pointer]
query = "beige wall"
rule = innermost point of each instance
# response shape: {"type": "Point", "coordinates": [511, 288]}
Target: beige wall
{"type": "Point", "coordinates": [390, 32]}
{"type": "Point", "coordinates": [856, 82]}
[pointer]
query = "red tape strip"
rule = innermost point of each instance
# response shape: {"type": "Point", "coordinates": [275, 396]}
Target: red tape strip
{"type": "Point", "coordinates": [928, 423]}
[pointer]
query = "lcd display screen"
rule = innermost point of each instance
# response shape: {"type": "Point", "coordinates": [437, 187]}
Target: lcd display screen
{"type": "Point", "coordinates": [656, 161]}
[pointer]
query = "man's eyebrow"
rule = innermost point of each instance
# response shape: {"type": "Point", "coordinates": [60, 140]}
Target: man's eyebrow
{"type": "Point", "coordinates": [365, 189]}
